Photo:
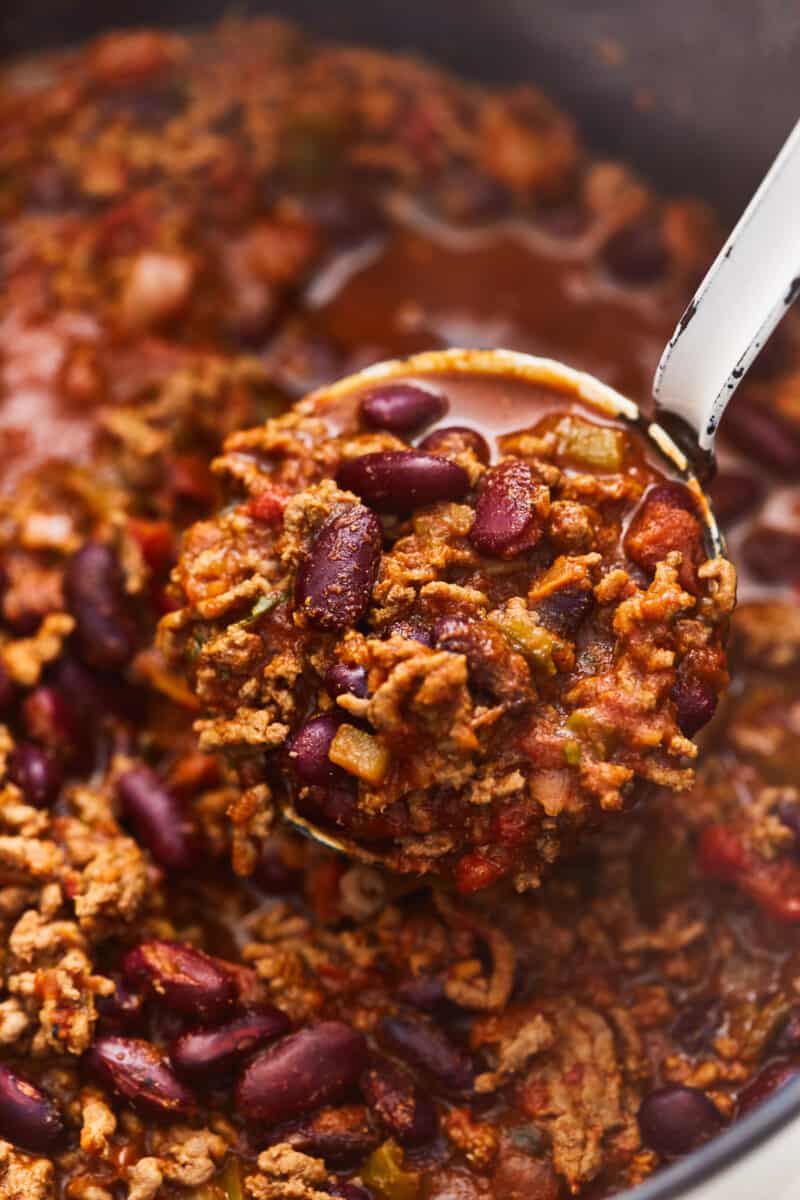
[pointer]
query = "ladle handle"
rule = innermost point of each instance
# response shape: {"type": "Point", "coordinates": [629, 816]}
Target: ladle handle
{"type": "Point", "coordinates": [737, 306]}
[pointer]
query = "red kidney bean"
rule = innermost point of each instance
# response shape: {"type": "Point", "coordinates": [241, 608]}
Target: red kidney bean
{"type": "Point", "coordinates": [340, 1136]}
{"type": "Point", "coordinates": [695, 703]}
{"type": "Point", "coordinates": [637, 253]}
{"type": "Point", "coordinates": [403, 1109]}
{"type": "Point", "coordinates": [48, 720]}
{"type": "Point", "coordinates": [141, 1075]}
{"type": "Point", "coordinates": [733, 495]}
{"type": "Point", "coordinates": [398, 481]}
{"type": "Point", "coordinates": [428, 1049]}
{"type": "Point", "coordinates": [274, 874]}
{"type": "Point", "coordinates": [308, 750]}
{"type": "Point", "coordinates": [209, 1054]}
{"type": "Point", "coordinates": [8, 691]}
{"type": "Point", "coordinates": [762, 434]}
{"type": "Point", "coordinates": [508, 511]}
{"type": "Point", "coordinates": [185, 979]}
{"type": "Point", "coordinates": [342, 679]}
{"type": "Point", "coordinates": [674, 1119]}
{"type": "Point", "coordinates": [334, 584]}
{"type": "Point", "coordinates": [305, 1070]}
{"type": "Point", "coordinates": [425, 992]}
{"type": "Point", "coordinates": [413, 628]}
{"type": "Point", "coordinates": [28, 1117]}
{"type": "Point", "coordinates": [401, 407]}
{"type": "Point", "coordinates": [94, 587]}
{"type": "Point", "coordinates": [563, 611]}
{"type": "Point", "coordinates": [87, 698]}
{"type": "Point", "coordinates": [37, 772]}
{"type": "Point", "coordinates": [772, 554]}
{"type": "Point", "coordinates": [348, 1191]}
{"type": "Point", "coordinates": [774, 1077]}
{"type": "Point", "coordinates": [122, 1007]}
{"type": "Point", "coordinates": [157, 818]}
{"type": "Point", "coordinates": [454, 439]}
{"type": "Point", "coordinates": [787, 1039]}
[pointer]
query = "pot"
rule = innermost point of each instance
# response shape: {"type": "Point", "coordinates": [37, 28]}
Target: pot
{"type": "Point", "coordinates": [658, 85]}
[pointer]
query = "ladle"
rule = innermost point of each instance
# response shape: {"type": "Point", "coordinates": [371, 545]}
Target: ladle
{"type": "Point", "coordinates": [747, 290]}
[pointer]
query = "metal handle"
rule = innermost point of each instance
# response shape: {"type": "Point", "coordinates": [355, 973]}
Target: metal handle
{"type": "Point", "coordinates": [748, 289]}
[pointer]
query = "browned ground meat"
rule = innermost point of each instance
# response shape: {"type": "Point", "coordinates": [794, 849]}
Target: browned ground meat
{"type": "Point", "coordinates": [193, 233]}
{"type": "Point", "coordinates": [462, 684]}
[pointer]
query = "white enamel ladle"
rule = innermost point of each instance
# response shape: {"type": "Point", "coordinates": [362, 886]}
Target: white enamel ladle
{"type": "Point", "coordinates": [753, 281]}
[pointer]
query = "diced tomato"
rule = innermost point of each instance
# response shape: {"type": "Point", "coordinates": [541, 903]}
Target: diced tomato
{"type": "Point", "coordinates": [268, 505]}
{"type": "Point", "coordinates": [156, 541]}
{"type": "Point", "coordinates": [481, 869]}
{"type": "Point", "coordinates": [773, 885]}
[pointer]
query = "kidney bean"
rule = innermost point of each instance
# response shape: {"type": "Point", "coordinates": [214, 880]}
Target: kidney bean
{"type": "Point", "coordinates": [305, 1070]}
{"type": "Point", "coordinates": [425, 992]}
{"type": "Point", "coordinates": [348, 1191]}
{"type": "Point", "coordinates": [308, 750]}
{"type": "Point", "coordinates": [48, 719]}
{"type": "Point", "coordinates": [407, 1114]}
{"type": "Point", "coordinates": [563, 611]}
{"type": "Point", "coordinates": [342, 679]}
{"type": "Point", "coordinates": [209, 1054]}
{"type": "Point", "coordinates": [8, 691]}
{"type": "Point", "coordinates": [428, 1049]}
{"type": "Point", "coordinates": [340, 1136]}
{"type": "Point", "coordinates": [28, 1117]}
{"type": "Point", "coordinates": [401, 407]}
{"type": "Point", "coordinates": [674, 1119]}
{"type": "Point", "coordinates": [157, 818]}
{"type": "Point", "coordinates": [274, 874]}
{"type": "Point", "coordinates": [413, 628]}
{"type": "Point", "coordinates": [454, 439]}
{"type": "Point", "coordinates": [187, 980]}
{"type": "Point", "coordinates": [772, 554]}
{"type": "Point", "coordinates": [94, 587]}
{"type": "Point", "coordinates": [334, 583]}
{"type": "Point", "coordinates": [521, 1176]}
{"type": "Point", "coordinates": [122, 1007]}
{"type": "Point", "coordinates": [509, 512]}
{"type": "Point", "coordinates": [762, 434]}
{"type": "Point", "coordinates": [695, 704]}
{"type": "Point", "coordinates": [774, 1077]}
{"type": "Point", "coordinates": [140, 1074]}
{"type": "Point", "coordinates": [637, 253]}
{"type": "Point", "coordinates": [37, 772]}
{"type": "Point", "coordinates": [733, 495]}
{"type": "Point", "coordinates": [398, 481]}
{"type": "Point", "coordinates": [86, 696]}
{"type": "Point", "coordinates": [788, 811]}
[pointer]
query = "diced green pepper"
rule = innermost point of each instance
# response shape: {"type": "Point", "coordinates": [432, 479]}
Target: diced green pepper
{"type": "Point", "coordinates": [232, 1180]}
{"type": "Point", "coordinates": [384, 1173]}
{"type": "Point", "coordinates": [527, 636]}
{"type": "Point", "coordinates": [572, 753]}
{"type": "Point", "coordinates": [594, 447]}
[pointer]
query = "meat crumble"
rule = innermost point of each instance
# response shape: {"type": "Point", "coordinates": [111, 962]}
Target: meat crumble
{"type": "Point", "coordinates": [196, 232]}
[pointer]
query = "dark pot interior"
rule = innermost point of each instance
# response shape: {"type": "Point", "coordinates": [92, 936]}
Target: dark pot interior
{"type": "Point", "coordinates": [699, 93]}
